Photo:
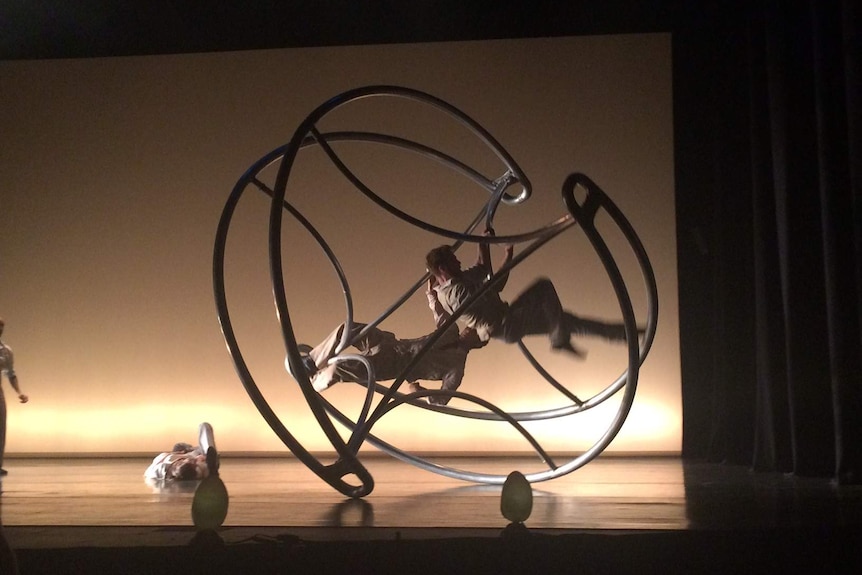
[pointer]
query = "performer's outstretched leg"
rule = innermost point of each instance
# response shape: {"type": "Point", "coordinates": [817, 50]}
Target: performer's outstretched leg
{"type": "Point", "coordinates": [377, 345]}
{"type": "Point", "coordinates": [321, 353]}
{"type": "Point", "coordinates": [537, 310]}
{"type": "Point", "coordinates": [206, 438]}
{"type": "Point", "coordinates": [316, 362]}
{"type": "Point", "coordinates": [591, 327]}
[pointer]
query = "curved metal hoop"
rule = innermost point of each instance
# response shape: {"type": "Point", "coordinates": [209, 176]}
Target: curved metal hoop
{"type": "Point", "coordinates": [499, 189]}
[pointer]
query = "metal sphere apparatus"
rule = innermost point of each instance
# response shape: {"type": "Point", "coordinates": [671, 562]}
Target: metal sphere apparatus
{"type": "Point", "coordinates": [512, 187]}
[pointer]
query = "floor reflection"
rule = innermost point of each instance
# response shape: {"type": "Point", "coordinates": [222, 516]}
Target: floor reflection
{"type": "Point", "coordinates": [8, 559]}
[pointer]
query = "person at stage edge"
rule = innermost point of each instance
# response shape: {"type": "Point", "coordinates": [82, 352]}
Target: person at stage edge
{"type": "Point", "coordinates": [7, 366]}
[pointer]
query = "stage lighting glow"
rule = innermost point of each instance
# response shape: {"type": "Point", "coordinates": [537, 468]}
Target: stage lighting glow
{"type": "Point", "coordinates": [650, 423]}
{"type": "Point", "coordinates": [143, 428]}
{"type": "Point", "coordinates": [651, 426]}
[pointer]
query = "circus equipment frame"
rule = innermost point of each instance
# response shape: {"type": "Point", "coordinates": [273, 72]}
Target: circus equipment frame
{"type": "Point", "coordinates": [584, 200]}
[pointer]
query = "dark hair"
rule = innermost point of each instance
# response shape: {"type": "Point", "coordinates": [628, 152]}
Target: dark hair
{"type": "Point", "coordinates": [437, 256]}
{"type": "Point", "coordinates": [186, 470]}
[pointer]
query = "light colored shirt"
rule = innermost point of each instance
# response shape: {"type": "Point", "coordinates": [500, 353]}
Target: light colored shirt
{"type": "Point", "coordinates": [163, 464]}
{"type": "Point", "coordinates": [6, 361]}
{"type": "Point", "coordinates": [485, 315]}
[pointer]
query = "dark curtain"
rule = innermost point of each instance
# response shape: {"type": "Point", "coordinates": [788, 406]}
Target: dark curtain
{"type": "Point", "coordinates": [768, 173]}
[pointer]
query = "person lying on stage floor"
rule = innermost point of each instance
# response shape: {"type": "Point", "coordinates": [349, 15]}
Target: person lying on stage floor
{"type": "Point", "coordinates": [389, 356]}
{"type": "Point", "coordinates": [537, 310]}
{"type": "Point", "coordinates": [184, 462]}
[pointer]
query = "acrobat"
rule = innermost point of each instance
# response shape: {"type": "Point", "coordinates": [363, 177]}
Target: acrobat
{"type": "Point", "coordinates": [389, 356]}
{"type": "Point", "coordinates": [536, 311]}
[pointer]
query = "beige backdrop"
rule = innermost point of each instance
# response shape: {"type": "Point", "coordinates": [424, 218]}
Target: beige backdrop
{"type": "Point", "coordinates": [115, 172]}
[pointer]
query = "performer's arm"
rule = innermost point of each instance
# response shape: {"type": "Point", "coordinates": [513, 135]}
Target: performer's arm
{"type": "Point", "coordinates": [13, 378]}
{"type": "Point", "coordinates": [485, 250]}
{"type": "Point", "coordinates": [508, 251]}
{"type": "Point", "coordinates": [440, 313]}
{"type": "Point", "coordinates": [484, 256]}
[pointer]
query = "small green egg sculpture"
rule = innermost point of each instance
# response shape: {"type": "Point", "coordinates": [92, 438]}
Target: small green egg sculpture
{"type": "Point", "coordinates": [209, 506]}
{"type": "Point", "coordinates": [516, 500]}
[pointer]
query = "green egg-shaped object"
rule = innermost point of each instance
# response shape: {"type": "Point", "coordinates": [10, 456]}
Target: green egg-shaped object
{"type": "Point", "coordinates": [209, 506]}
{"type": "Point", "coordinates": [516, 500]}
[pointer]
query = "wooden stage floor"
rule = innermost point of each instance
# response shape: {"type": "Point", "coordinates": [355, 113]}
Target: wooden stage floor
{"type": "Point", "coordinates": [51, 505]}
